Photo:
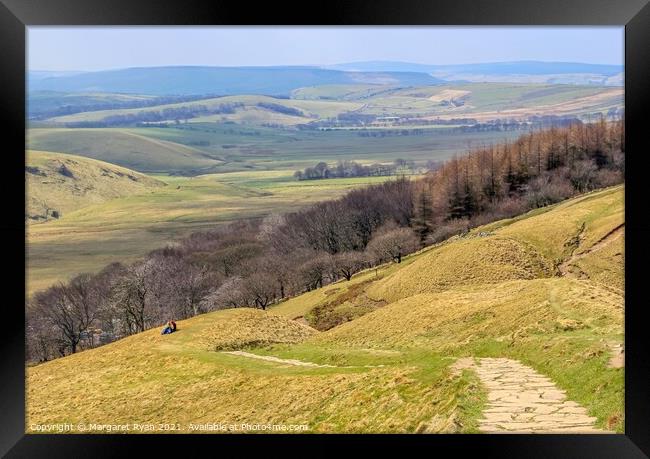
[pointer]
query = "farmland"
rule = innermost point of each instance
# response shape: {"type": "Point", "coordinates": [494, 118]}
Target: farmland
{"type": "Point", "coordinates": [211, 148]}
{"type": "Point", "coordinates": [469, 100]}
{"type": "Point", "coordinates": [239, 164]}
{"type": "Point", "coordinates": [125, 228]}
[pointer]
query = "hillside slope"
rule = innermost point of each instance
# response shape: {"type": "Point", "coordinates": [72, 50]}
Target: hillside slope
{"type": "Point", "coordinates": [58, 183]}
{"type": "Point", "coordinates": [124, 148]}
{"type": "Point", "coordinates": [388, 363]}
{"type": "Point", "coordinates": [219, 80]}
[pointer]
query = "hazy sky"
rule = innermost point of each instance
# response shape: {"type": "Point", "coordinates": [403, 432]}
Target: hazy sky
{"type": "Point", "coordinates": [100, 48]}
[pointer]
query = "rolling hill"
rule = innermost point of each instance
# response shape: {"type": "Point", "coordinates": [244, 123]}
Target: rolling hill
{"type": "Point", "coordinates": [267, 110]}
{"type": "Point", "coordinates": [43, 102]}
{"type": "Point", "coordinates": [124, 148]}
{"type": "Point", "coordinates": [507, 292]}
{"type": "Point", "coordinates": [274, 81]}
{"type": "Point", "coordinates": [516, 71]}
{"type": "Point", "coordinates": [482, 101]}
{"type": "Point", "coordinates": [58, 183]}
{"type": "Point", "coordinates": [514, 67]}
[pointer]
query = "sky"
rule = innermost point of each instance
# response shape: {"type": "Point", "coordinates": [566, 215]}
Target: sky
{"type": "Point", "coordinates": [103, 48]}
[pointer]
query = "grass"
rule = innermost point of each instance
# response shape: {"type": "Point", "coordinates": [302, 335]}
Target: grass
{"type": "Point", "coordinates": [209, 147]}
{"type": "Point", "coordinates": [310, 109]}
{"type": "Point", "coordinates": [487, 260]}
{"type": "Point", "coordinates": [147, 371]}
{"type": "Point", "coordinates": [328, 101]}
{"type": "Point", "coordinates": [121, 147]}
{"type": "Point", "coordinates": [390, 368]}
{"type": "Point", "coordinates": [64, 183]}
{"type": "Point", "coordinates": [251, 328]}
{"type": "Point", "coordinates": [481, 98]}
{"type": "Point", "coordinates": [125, 228]}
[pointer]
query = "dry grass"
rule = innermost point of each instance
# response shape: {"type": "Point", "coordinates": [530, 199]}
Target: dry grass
{"type": "Point", "coordinates": [494, 296]}
{"type": "Point", "coordinates": [153, 378]}
{"type": "Point", "coordinates": [549, 232]}
{"type": "Point", "coordinates": [455, 318]}
{"type": "Point", "coordinates": [472, 261]}
{"type": "Point", "coordinates": [65, 183]}
{"type": "Point", "coordinates": [606, 266]}
{"type": "Point", "coordinates": [245, 327]}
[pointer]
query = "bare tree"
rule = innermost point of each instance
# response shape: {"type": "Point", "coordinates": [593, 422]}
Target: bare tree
{"type": "Point", "coordinates": [314, 271]}
{"type": "Point", "coordinates": [69, 309]}
{"type": "Point", "coordinates": [132, 296]}
{"type": "Point", "coordinates": [230, 294]}
{"type": "Point", "coordinates": [348, 263]}
{"type": "Point", "coordinates": [260, 287]}
{"type": "Point", "coordinates": [392, 243]}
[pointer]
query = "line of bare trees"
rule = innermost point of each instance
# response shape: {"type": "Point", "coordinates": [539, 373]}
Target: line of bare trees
{"type": "Point", "coordinates": [257, 263]}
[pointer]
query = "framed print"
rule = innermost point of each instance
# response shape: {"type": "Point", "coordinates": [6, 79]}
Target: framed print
{"type": "Point", "coordinates": [385, 223]}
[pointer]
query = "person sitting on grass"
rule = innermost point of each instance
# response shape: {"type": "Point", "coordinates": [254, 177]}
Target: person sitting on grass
{"type": "Point", "coordinates": [168, 328]}
{"type": "Point", "coordinates": [173, 324]}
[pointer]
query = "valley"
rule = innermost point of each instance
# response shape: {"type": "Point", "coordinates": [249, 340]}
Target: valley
{"type": "Point", "coordinates": [391, 369]}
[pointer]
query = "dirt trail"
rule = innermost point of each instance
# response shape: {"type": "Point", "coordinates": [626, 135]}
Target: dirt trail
{"type": "Point", "coordinates": [270, 358]}
{"type": "Point", "coordinates": [617, 359]}
{"type": "Point", "coordinates": [610, 237]}
{"type": "Point", "coordinates": [520, 400]}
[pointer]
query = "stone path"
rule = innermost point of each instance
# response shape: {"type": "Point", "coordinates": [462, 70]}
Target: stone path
{"type": "Point", "coordinates": [520, 400]}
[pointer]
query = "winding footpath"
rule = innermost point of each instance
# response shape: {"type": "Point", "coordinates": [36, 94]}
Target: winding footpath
{"type": "Point", "coordinates": [300, 363]}
{"type": "Point", "coordinates": [520, 400]}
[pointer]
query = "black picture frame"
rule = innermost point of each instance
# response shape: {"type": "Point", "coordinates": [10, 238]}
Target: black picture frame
{"type": "Point", "coordinates": [16, 15]}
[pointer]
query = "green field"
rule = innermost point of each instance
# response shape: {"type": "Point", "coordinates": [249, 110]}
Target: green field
{"type": "Point", "coordinates": [123, 229]}
{"type": "Point", "coordinates": [58, 183]}
{"type": "Point", "coordinates": [310, 109]}
{"type": "Point", "coordinates": [328, 101]}
{"type": "Point", "coordinates": [239, 172]}
{"type": "Point", "coordinates": [387, 368]}
{"type": "Point", "coordinates": [211, 148]}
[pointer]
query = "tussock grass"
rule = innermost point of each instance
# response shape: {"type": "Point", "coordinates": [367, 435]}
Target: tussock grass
{"type": "Point", "coordinates": [606, 266]}
{"type": "Point", "coordinates": [549, 232]}
{"type": "Point", "coordinates": [494, 296]}
{"type": "Point", "coordinates": [246, 327]}
{"type": "Point", "coordinates": [173, 379]}
{"type": "Point", "coordinates": [473, 261]}
{"type": "Point", "coordinates": [64, 183]}
{"type": "Point", "coordinates": [504, 311]}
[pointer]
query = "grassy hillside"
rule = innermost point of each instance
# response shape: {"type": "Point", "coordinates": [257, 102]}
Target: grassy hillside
{"type": "Point", "coordinates": [58, 183]}
{"type": "Point", "coordinates": [487, 101]}
{"type": "Point", "coordinates": [386, 367]}
{"type": "Point", "coordinates": [122, 147]}
{"type": "Point", "coordinates": [127, 227]}
{"type": "Point", "coordinates": [219, 80]}
{"type": "Point", "coordinates": [310, 110]}
{"type": "Point", "coordinates": [40, 102]}
{"type": "Point", "coordinates": [202, 148]}
{"type": "Point", "coordinates": [484, 101]}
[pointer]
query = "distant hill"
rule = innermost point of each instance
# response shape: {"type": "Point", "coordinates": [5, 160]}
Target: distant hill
{"type": "Point", "coordinates": [518, 67]}
{"type": "Point", "coordinates": [62, 103]}
{"type": "Point", "coordinates": [275, 81]}
{"type": "Point", "coordinates": [517, 71]}
{"type": "Point", "coordinates": [58, 183]}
